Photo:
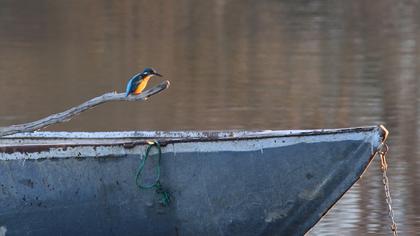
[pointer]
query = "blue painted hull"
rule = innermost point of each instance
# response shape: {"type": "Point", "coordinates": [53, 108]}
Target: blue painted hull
{"type": "Point", "coordinates": [268, 190]}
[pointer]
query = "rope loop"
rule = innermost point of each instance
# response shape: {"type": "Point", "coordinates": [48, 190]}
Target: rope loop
{"type": "Point", "coordinates": [164, 194]}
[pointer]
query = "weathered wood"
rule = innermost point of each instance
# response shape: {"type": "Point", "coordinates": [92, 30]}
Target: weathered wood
{"type": "Point", "coordinates": [70, 113]}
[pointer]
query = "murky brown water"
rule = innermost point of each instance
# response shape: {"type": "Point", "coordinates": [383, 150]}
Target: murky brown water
{"type": "Point", "coordinates": [233, 65]}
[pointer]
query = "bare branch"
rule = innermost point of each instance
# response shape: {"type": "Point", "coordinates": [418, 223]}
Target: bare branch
{"type": "Point", "coordinates": [70, 113]}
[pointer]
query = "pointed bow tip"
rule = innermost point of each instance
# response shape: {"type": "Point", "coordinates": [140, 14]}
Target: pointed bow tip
{"type": "Point", "coordinates": [384, 132]}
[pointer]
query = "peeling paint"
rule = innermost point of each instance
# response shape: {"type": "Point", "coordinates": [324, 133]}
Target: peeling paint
{"type": "Point", "coordinates": [3, 230]}
{"type": "Point", "coordinates": [274, 216]}
{"type": "Point", "coordinates": [78, 144]}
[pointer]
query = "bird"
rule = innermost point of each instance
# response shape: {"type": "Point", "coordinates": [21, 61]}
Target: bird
{"type": "Point", "coordinates": [139, 81]}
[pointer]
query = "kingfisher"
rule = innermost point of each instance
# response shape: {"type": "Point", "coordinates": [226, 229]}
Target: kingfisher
{"type": "Point", "coordinates": [138, 82]}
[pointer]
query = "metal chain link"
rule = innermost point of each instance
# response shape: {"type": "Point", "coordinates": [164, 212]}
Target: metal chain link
{"type": "Point", "coordinates": [383, 150]}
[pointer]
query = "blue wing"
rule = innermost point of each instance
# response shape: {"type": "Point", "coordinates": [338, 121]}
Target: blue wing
{"type": "Point", "coordinates": [132, 84]}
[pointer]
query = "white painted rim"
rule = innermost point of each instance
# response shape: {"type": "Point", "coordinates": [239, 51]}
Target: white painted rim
{"type": "Point", "coordinates": [372, 136]}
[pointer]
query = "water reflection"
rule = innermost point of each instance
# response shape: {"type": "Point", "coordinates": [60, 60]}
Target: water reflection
{"type": "Point", "coordinates": [232, 64]}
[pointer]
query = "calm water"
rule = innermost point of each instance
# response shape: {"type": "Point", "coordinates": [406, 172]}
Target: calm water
{"type": "Point", "coordinates": [232, 65]}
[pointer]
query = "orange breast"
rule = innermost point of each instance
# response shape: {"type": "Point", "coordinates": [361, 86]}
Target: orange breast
{"type": "Point", "coordinates": [142, 85]}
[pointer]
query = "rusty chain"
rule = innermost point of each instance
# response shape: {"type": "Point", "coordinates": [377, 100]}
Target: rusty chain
{"type": "Point", "coordinates": [383, 150]}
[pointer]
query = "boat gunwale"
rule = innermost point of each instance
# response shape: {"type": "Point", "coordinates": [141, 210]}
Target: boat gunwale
{"type": "Point", "coordinates": [205, 135]}
{"type": "Point", "coordinates": [131, 142]}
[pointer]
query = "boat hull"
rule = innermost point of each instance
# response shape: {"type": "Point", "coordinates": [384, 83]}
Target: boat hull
{"type": "Point", "coordinates": [270, 185]}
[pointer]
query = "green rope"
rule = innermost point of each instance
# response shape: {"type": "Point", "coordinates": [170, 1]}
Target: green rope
{"type": "Point", "coordinates": [164, 194]}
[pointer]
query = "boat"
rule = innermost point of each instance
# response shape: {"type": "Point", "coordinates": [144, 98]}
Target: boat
{"type": "Point", "coordinates": [220, 182]}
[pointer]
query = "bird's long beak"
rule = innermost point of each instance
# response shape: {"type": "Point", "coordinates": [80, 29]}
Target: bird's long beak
{"type": "Point", "coordinates": [158, 74]}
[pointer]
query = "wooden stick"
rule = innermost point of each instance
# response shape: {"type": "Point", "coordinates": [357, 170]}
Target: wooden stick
{"type": "Point", "coordinates": [70, 113]}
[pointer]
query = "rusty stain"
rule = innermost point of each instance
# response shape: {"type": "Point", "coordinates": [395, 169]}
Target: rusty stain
{"type": "Point", "coordinates": [26, 148]}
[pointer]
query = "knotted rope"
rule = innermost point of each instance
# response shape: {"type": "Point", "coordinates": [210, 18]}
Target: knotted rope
{"type": "Point", "coordinates": [165, 197]}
